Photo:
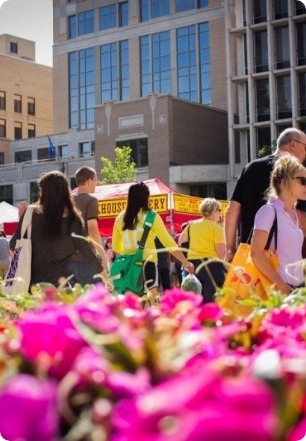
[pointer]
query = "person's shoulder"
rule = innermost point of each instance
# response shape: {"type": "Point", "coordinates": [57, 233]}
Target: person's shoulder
{"type": "Point", "coordinates": [265, 161]}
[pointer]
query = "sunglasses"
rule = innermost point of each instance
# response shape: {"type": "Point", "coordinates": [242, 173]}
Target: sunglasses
{"type": "Point", "coordinates": [301, 179]}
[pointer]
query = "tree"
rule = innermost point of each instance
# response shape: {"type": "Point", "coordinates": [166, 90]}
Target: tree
{"type": "Point", "coordinates": [267, 150]}
{"type": "Point", "coordinates": [122, 170]}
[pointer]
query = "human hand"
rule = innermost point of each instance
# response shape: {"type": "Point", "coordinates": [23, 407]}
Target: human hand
{"type": "Point", "coordinates": [189, 267]}
{"type": "Point", "coordinates": [22, 208]}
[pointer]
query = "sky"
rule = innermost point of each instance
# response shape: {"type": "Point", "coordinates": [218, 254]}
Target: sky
{"type": "Point", "coordinates": [30, 19]}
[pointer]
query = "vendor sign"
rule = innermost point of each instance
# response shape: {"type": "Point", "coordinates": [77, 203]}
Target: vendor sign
{"type": "Point", "coordinates": [186, 204]}
{"type": "Point", "coordinates": [112, 207]}
{"type": "Point", "coordinates": [190, 204]}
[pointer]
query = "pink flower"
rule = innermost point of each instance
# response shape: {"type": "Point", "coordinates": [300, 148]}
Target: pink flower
{"type": "Point", "coordinates": [50, 337]}
{"type": "Point", "coordinates": [28, 409]}
{"type": "Point", "coordinates": [170, 301]}
{"type": "Point", "coordinates": [198, 405]}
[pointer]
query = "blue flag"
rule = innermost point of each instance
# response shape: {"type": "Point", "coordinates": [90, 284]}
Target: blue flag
{"type": "Point", "coordinates": [51, 148]}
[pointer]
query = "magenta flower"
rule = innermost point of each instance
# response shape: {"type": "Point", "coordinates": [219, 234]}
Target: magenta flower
{"type": "Point", "coordinates": [211, 312]}
{"type": "Point", "coordinates": [28, 409]}
{"type": "Point", "coordinates": [207, 407]}
{"type": "Point", "coordinates": [170, 300]}
{"type": "Point", "coordinates": [50, 337]}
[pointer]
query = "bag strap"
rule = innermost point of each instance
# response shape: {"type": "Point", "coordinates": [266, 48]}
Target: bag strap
{"type": "Point", "coordinates": [26, 226]}
{"type": "Point", "coordinates": [148, 222]}
{"type": "Point", "coordinates": [273, 231]}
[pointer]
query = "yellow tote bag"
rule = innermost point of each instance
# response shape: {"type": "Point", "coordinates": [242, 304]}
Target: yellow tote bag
{"type": "Point", "coordinates": [244, 280]}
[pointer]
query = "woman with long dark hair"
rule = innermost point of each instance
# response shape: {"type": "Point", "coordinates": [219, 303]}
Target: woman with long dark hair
{"type": "Point", "coordinates": [127, 232]}
{"type": "Point", "coordinates": [54, 219]}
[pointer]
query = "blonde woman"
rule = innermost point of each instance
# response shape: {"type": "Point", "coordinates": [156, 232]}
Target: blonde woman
{"type": "Point", "coordinates": [287, 185]}
{"type": "Point", "coordinates": [206, 242]}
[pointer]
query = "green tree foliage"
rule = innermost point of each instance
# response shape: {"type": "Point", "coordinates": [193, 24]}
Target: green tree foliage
{"type": "Point", "coordinates": [267, 149]}
{"type": "Point", "coordinates": [123, 169]}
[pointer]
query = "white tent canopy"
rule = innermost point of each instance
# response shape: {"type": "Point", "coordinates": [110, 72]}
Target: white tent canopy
{"type": "Point", "coordinates": [8, 213]}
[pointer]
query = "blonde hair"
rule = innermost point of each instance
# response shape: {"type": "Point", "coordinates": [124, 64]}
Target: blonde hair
{"type": "Point", "coordinates": [208, 205]}
{"type": "Point", "coordinates": [285, 169]}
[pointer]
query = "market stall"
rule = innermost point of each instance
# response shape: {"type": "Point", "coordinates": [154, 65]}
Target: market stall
{"type": "Point", "coordinates": [174, 208]}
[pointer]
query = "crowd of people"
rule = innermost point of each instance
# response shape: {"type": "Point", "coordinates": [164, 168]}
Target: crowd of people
{"type": "Point", "coordinates": [269, 187]}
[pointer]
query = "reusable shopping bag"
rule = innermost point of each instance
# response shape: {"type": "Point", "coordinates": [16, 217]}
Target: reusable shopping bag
{"type": "Point", "coordinates": [18, 277]}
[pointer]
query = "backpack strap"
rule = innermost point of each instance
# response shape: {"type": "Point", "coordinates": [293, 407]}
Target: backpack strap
{"type": "Point", "coordinates": [148, 222]}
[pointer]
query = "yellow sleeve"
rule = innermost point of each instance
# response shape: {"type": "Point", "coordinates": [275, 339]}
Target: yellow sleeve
{"type": "Point", "coordinates": [163, 234]}
{"type": "Point", "coordinates": [117, 242]}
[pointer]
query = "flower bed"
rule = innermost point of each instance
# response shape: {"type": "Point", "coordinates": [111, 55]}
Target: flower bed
{"type": "Point", "coordinates": [103, 368]}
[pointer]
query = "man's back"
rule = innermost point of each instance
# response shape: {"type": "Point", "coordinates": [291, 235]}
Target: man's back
{"type": "Point", "coordinates": [250, 191]}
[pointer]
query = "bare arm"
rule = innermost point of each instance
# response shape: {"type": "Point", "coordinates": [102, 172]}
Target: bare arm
{"type": "Point", "coordinates": [261, 261]}
{"type": "Point", "coordinates": [93, 232]}
{"type": "Point", "coordinates": [231, 225]}
{"type": "Point", "coordinates": [183, 238]}
{"type": "Point", "coordinates": [188, 266]}
{"type": "Point", "coordinates": [220, 249]}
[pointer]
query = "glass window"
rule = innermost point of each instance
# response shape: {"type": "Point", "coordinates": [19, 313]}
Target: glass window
{"type": "Point", "coordinates": [43, 154]}
{"type": "Point", "coordinates": [153, 9]}
{"type": "Point", "coordinates": [261, 63]}
{"type": "Point", "coordinates": [123, 14]}
{"type": "Point", "coordinates": [86, 148]}
{"type": "Point", "coordinates": [264, 139]}
{"type": "Point", "coordinates": [202, 3]}
{"type": "Point", "coordinates": [205, 79]}
{"type": "Point", "coordinates": [81, 24]}
{"type": "Point", "coordinates": [301, 43]}
{"type": "Point", "coordinates": [63, 151]}
{"type": "Point", "coordinates": [72, 29]}
{"type": "Point", "coordinates": [302, 93]}
{"type": "Point", "coordinates": [82, 88]}
{"type": "Point", "coordinates": [13, 47]}
{"type": "Point", "coordinates": [108, 17]}
{"type": "Point", "coordinates": [282, 50]}
{"type": "Point", "coordinates": [262, 100]}
{"type": "Point", "coordinates": [2, 128]}
{"type": "Point", "coordinates": [184, 5]}
{"type": "Point", "coordinates": [284, 104]}
{"type": "Point", "coordinates": [1, 158]}
{"type": "Point", "coordinates": [31, 106]}
{"type": "Point", "coordinates": [2, 100]}
{"type": "Point", "coordinates": [33, 192]}
{"type": "Point", "coordinates": [280, 9]}
{"type": "Point", "coordinates": [18, 130]}
{"type": "Point", "coordinates": [186, 63]}
{"type": "Point", "coordinates": [115, 83]}
{"type": "Point", "coordinates": [155, 58]}
{"type": "Point", "coordinates": [139, 148]}
{"type": "Point", "coordinates": [259, 11]}
{"type": "Point", "coordinates": [86, 22]}
{"type": "Point", "coordinates": [213, 190]}
{"type": "Point", "coordinates": [31, 131]}
{"type": "Point", "coordinates": [23, 156]}
{"type": "Point", "coordinates": [6, 194]}
{"type": "Point", "coordinates": [17, 104]}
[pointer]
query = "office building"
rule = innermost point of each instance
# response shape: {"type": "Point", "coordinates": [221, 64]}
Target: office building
{"type": "Point", "coordinates": [151, 75]}
{"type": "Point", "coordinates": [266, 71]}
